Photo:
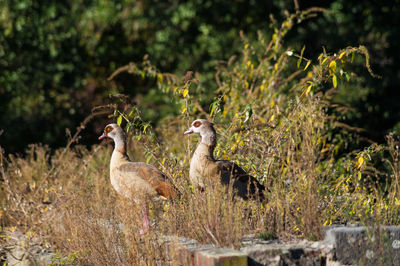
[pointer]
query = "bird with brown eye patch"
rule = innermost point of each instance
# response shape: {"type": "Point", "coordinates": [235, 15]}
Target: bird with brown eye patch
{"type": "Point", "coordinates": [196, 126]}
{"type": "Point", "coordinates": [135, 180]}
{"type": "Point", "coordinates": [106, 131]}
{"type": "Point", "coordinates": [205, 168]}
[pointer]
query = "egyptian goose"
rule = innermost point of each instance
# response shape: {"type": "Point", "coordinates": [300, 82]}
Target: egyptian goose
{"type": "Point", "coordinates": [135, 180]}
{"type": "Point", "coordinates": [204, 165]}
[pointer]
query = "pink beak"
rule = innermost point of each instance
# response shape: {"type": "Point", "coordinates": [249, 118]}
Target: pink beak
{"type": "Point", "coordinates": [102, 136]}
{"type": "Point", "coordinates": [189, 131]}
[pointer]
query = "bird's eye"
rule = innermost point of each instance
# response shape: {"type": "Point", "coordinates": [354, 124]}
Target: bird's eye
{"type": "Point", "coordinates": [197, 124]}
{"type": "Point", "coordinates": [108, 129]}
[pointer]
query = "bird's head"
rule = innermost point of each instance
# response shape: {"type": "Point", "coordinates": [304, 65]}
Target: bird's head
{"type": "Point", "coordinates": [200, 126]}
{"type": "Point", "coordinates": [112, 131]}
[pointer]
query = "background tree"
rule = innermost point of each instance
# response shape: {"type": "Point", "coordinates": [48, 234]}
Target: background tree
{"type": "Point", "coordinates": [55, 57]}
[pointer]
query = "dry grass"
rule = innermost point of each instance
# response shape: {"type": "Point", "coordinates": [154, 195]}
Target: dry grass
{"type": "Point", "coordinates": [271, 119]}
{"type": "Point", "coordinates": [71, 204]}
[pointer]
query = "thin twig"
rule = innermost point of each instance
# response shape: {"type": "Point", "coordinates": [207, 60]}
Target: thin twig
{"type": "Point", "coordinates": [120, 70]}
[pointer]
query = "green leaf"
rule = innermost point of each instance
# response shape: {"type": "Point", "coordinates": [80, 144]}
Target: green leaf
{"type": "Point", "coordinates": [307, 90]}
{"type": "Point", "coordinates": [301, 56]}
{"type": "Point", "coordinates": [185, 92]}
{"type": "Point", "coordinates": [334, 81]}
{"type": "Point", "coordinates": [145, 127]}
{"type": "Point", "coordinates": [213, 107]}
{"type": "Point", "coordinates": [131, 113]}
{"type": "Point", "coordinates": [308, 63]}
{"type": "Point", "coordinates": [160, 78]}
{"type": "Point", "coordinates": [332, 67]}
{"type": "Point", "coordinates": [149, 158]}
{"type": "Point", "coordinates": [347, 76]}
{"type": "Point", "coordinates": [119, 120]}
{"type": "Point", "coordinates": [249, 113]}
{"type": "Point", "coordinates": [298, 62]}
{"type": "Point", "coordinates": [302, 51]}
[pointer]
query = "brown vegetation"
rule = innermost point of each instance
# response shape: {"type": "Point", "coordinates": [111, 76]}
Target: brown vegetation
{"type": "Point", "coordinates": [272, 121]}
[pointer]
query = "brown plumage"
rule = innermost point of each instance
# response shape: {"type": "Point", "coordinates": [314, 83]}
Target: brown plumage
{"type": "Point", "coordinates": [203, 164]}
{"type": "Point", "coordinates": [135, 180]}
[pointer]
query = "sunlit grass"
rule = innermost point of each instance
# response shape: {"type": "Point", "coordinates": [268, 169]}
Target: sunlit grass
{"type": "Point", "coordinates": [271, 116]}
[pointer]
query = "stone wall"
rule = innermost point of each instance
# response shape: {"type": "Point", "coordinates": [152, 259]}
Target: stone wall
{"type": "Point", "coordinates": [341, 246]}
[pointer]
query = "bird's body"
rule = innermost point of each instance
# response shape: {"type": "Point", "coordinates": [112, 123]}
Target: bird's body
{"type": "Point", "coordinates": [134, 180]}
{"type": "Point", "coordinates": [203, 165]}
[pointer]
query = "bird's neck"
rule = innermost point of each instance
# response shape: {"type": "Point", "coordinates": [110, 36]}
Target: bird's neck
{"type": "Point", "coordinates": [209, 138]}
{"type": "Point", "coordinates": [119, 155]}
{"type": "Point", "coordinates": [207, 145]}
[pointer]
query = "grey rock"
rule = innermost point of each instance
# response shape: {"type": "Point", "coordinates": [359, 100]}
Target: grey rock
{"type": "Point", "coordinates": [365, 246]}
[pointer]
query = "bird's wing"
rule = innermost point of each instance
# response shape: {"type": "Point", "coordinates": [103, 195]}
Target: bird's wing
{"type": "Point", "coordinates": [243, 182]}
{"type": "Point", "coordinates": [149, 174]}
{"type": "Point", "coordinates": [233, 169]}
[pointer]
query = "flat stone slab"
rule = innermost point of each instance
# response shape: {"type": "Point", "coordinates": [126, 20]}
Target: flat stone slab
{"type": "Point", "coordinates": [190, 252]}
{"type": "Point", "coordinates": [277, 252]}
{"type": "Point", "coordinates": [365, 246]}
{"type": "Point", "coordinates": [341, 246]}
{"type": "Point", "coordinates": [220, 256]}
{"type": "Point", "coordinates": [254, 252]}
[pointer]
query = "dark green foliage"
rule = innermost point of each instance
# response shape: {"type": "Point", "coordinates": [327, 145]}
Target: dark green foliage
{"type": "Point", "coordinates": [55, 57]}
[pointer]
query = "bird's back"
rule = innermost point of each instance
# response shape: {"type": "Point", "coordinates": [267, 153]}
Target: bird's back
{"type": "Point", "coordinates": [244, 184]}
{"type": "Point", "coordinates": [138, 179]}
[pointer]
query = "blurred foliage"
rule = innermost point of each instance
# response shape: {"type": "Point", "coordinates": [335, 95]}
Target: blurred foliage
{"type": "Point", "coordinates": [55, 57]}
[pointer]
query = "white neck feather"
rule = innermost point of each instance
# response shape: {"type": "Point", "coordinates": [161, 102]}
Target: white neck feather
{"type": "Point", "coordinates": [119, 154]}
{"type": "Point", "coordinates": [120, 144]}
{"type": "Point", "coordinates": [209, 138]}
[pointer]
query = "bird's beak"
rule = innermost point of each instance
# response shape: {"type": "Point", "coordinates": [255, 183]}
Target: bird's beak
{"type": "Point", "coordinates": [189, 131]}
{"type": "Point", "coordinates": [103, 136]}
